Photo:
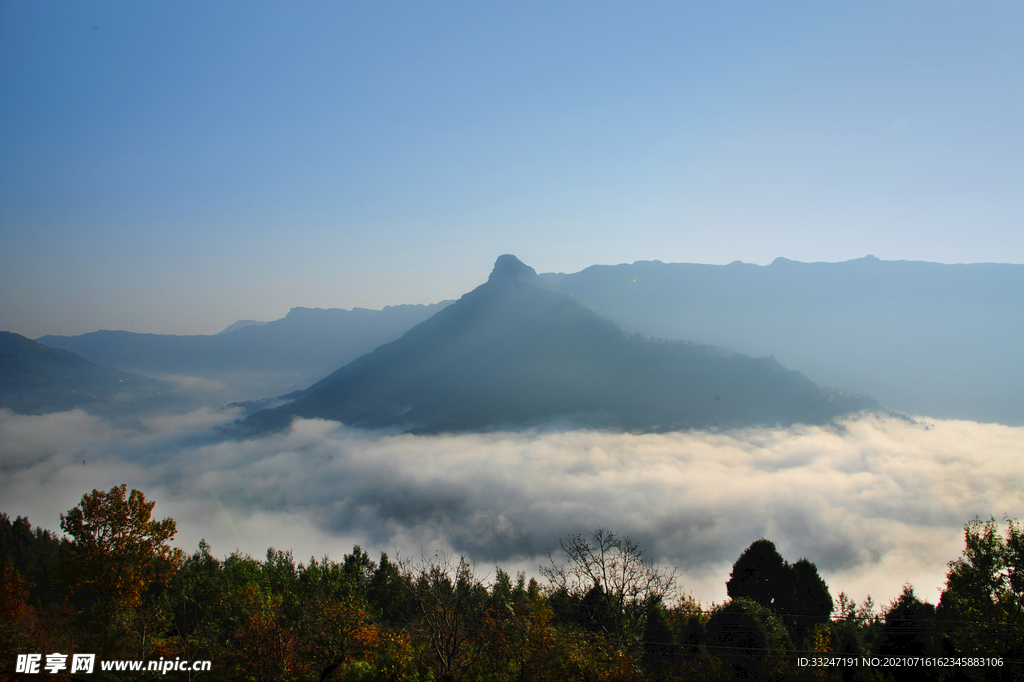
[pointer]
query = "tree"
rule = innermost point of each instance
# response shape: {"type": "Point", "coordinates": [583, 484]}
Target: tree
{"type": "Point", "coordinates": [263, 645]}
{"type": "Point", "coordinates": [390, 593]}
{"type": "Point", "coordinates": [909, 630]}
{"type": "Point", "coordinates": [807, 602]}
{"type": "Point", "coordinates": [516, 640]}
{"type": "Point", "coordinates": [659, 649]}
{"type": "Point", "coordinates": [854, 632]}
{"type": "Point", "coordinates": [337, 634]}
{"type": "Point", "coordinates": [451, 601]}
{"type": "Point", "coordinates": [36, 554]}
{"type": "Point", "coordinates": [118, 553]}
{"type": "Point", "coordinates": [196, 591]}
{"type": "Point", "coordinates": [983, 602]}
{"type": "Point", "coordinates": [117, 549]}
{"type": "Point", "coordinates": [795, 592]}
{"type": "Point", "coordinates": [14, 607]}
{"type": "Point", "coordinates": [761, 574]}
{"type": "Point", "coordinates": [610, 577]}
{"type": "Point", "coordinates": [750, 639]}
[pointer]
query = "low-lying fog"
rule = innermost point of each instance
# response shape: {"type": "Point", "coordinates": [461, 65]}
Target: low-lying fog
{"type": "Point", "coordinates": [875, 502]}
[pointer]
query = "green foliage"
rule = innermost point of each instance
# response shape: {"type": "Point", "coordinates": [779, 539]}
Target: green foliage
{"type": "Point", "coordinates": [983, 603]}
{"type": "Point", "coordinates": [603, 616]}
{"type": "Point", "coordinates": [795, 592]}
{"type": "Point", "coordinates": [36, 555]}
{"type": "Point", "coordinates": [759, 574]}
{"type": "Point", "coordinates": [854, 632]}
{"type": "Point", "coordinates": [659, 649]}
{"type": "Point", "coordinates": [808, 602]}
{"type": "Point", "coordinates": [451, 601]}
{"type": "Point", "coordinates": [751, 640]}
{"type": "Point", "coordinates": [909, 629]}
{"type": "Point", "coordinates": [195, 593]}
{"type": "Point", "coordinates": [389, 593]}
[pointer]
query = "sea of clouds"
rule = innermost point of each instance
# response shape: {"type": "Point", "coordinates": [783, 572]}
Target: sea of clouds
{"type": "Point", "coordinates": [875, 501]}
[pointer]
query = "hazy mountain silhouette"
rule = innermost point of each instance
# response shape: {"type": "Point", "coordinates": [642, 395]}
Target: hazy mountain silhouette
{"type": "Point", "coordinates": [927, 338]}
{"type": "Point", "coordinates": [514, 352]}
{"type": "Point", "coordinates": [239, 324]}
{"type": "Point", "coordinates": [253, 359]}
{"type": "Point", "coordinates": [35, 379]}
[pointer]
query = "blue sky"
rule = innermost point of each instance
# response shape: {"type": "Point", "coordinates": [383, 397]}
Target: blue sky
{"type": "Point", "coordinates": [175, 166]}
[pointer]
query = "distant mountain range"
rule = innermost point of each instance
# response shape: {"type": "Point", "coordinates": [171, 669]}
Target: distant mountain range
{"type": "Point", "coordinates": [35, 379]}
{"type": "Point", "coordinates": [514, 352]}
{"type": "Point", "coordinates": [253, 359]}
{"type": "Point", "coordinates": [925, 338]}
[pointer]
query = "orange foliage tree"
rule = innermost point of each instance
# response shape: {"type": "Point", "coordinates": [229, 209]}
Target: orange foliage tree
{"type": "Point", "coordinates": [119, 552]}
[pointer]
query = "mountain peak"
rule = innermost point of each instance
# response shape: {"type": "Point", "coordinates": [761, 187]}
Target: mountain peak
{"type": "Point", "coordinates": [509, 269]}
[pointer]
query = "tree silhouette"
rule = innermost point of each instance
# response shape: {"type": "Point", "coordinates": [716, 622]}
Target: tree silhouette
{"type": "Point", "coordinates": [760, 574]}
{"type": "Point", "coordinates": [613, 571]}
{"type": "Point", "coordinates": [750, 639]}
{"type": "Point", "coordinates": [807, 602]}
{"type": "Point", "coordinates": [795, 592]}
{"type": "Point", "coordinates": [909, 630]}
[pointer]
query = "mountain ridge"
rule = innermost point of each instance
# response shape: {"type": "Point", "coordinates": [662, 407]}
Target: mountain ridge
{"type": "Point", "coordinates": [514, 351]}
{"type": "Point", "coordinates": [253, 360]}
{"type": "Point", "coordinates": [36, 379]}
{"type": "Point", "coordinates": [924, 338]}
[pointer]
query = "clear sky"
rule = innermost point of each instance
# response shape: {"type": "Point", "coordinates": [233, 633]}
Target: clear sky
{"type": "Point", "coordinates": [175, 166]}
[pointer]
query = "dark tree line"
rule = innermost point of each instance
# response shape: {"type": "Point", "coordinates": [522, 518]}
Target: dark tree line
{"type": "Point", "coordinates": [114, 586]}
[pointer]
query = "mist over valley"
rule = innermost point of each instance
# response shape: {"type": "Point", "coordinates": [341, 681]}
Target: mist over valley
{"type": "Point", "coordinates": [274, 406]}
{"type": "Point", "coordinates": [572, 436]}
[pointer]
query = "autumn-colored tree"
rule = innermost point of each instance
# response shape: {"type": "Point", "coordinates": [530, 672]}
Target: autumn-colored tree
{"type": "Point", "coordinates": [13, 608]}
{"type": "Point", "coordinates": [118, 554]}
{"type": "Point", "coordinates": [118, 550]}
{"type": "Point", "coordinates": [13, 593]}
{"type": "Point", "coordinates": [334, 627]}
{"type": "Point", "coordinates": [516, 640]}
{"type": "Point", "coordinates": [264, 647]}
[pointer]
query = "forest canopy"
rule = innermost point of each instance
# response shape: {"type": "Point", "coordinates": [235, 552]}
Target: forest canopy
{"type": "Point", "coordinates": [115, 586]}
